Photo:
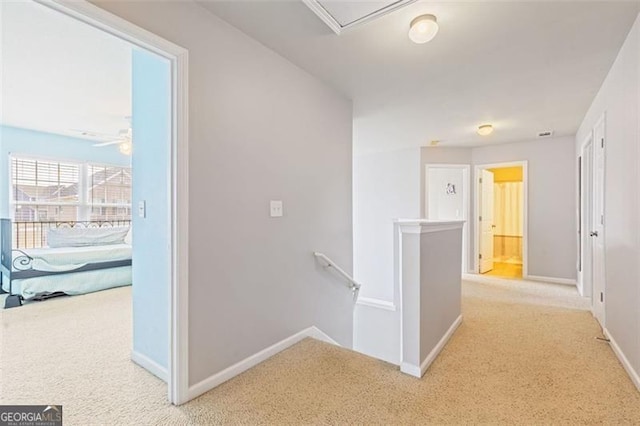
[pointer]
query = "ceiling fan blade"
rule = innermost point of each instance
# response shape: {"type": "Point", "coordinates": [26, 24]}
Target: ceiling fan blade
{"type": "Point", "coordinates": [108, 143]}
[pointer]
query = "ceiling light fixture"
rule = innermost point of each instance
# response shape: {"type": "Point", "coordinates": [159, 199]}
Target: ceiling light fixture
{"type": "Point", "coordinates": [423, 29]}
{"type": "Point", "coordinates": [485, 130]}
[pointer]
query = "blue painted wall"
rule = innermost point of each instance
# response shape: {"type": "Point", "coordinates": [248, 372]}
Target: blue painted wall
{"type": "Point", "coordinates": [151, 235]}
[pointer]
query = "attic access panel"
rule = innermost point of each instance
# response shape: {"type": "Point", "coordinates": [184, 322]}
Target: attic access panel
{"type": "Point", "coordinates": [343, 15]}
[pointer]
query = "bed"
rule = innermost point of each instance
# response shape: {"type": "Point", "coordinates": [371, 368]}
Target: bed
{"type": "Point", "coordinates": [45, 259]}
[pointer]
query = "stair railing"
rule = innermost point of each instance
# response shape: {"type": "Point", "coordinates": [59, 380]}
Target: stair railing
{"type": "Point", "coordinates": [351, 283]}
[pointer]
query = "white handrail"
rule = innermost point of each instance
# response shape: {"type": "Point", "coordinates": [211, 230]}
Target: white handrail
{"type": "Point", "coordinates": [353, 284]}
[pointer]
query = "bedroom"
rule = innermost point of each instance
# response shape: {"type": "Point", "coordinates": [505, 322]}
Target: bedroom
{"type": "Point", "coordinates": [73, 97]}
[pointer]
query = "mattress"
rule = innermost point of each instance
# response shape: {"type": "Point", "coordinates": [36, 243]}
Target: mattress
{"type": "Point", "coordinates": [68, 259]}
{"type": "Point", "coordinates": [73, 283]}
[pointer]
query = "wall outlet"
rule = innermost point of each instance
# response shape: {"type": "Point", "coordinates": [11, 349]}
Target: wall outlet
{"type": "Point", "coordinates": [276, 208]}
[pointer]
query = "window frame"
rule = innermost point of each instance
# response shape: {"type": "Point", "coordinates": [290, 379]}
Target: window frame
{"type": "Point", "coordinates": [84, 205]}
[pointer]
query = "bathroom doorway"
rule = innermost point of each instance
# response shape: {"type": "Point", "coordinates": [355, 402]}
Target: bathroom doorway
{"type": "Point", "coordinates": [501, 220]}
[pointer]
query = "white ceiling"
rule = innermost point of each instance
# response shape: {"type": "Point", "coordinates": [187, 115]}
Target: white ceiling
{"type": "Point", "coordinates": [523, 66]}
{"type": "Point", "coordinates": [59, 74]}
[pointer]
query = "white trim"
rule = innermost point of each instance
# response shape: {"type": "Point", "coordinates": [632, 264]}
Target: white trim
{"type": "Point", "coordinates": [255, 359]}
{"type": "Point", "coordinates": [410, 369]}
{"type": "Point", "coordinates": [416, 371]}
{"type": "Point", "coordinates": [98, 18]}
{"type": "Point", "coordinates": [633, 374]}
{"type": "Point", "coordinates": [376, 303]}
{"type": "Point", "coordinates": [399, 286]}
{"type": "Point", "coordinates": [315, 333]}
{"type": "Point", "coordinates": [424, 226]}
{"type": "Point", "coordinates": [525, 211]}
{"type": "Point", "coordinates": [150, 365]}
{"type": "Point", "coordinates": [553, 280]}
{"type": "Point", "coordinates": [337, 28]}
{"type": "Point", "coordinates": [466, 204]}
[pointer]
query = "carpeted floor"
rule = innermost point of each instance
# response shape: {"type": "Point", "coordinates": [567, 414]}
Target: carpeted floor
{"type": "Point", "coordinates": [526, 353]}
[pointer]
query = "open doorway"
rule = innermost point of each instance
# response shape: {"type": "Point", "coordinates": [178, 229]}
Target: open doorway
{"type": "Point", "coordinates": [78, 187]}
{"type": "Point", "coordinates": [501, 203]}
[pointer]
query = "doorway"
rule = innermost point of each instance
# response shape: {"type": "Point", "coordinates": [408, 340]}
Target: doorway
{"type": "Point", "coordinates": [501, 222]}
{"type": "Point", "coordinates": [170, 303]}
{"type": "Point", "coordinates": [447, 197]}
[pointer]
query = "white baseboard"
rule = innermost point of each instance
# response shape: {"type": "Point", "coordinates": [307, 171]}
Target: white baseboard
{"type": "Point", "coordinates": [416, 371]}
{"type": "Point", "coordinates": [376, 303]}
{"type": "Point", "coordinates": [255, 359]}
{"type": "Point", "coordinates": [553, 280]}
{"type": "Point", "coordinates": [633, 374]}
{"type": "Point", "coordinates": [150, 365]}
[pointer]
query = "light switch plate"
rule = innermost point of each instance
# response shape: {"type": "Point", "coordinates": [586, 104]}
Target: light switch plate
{"type": "Point", "coordinates": [142, 209]}
{"type": "Point", "coordinates": [276, 208]}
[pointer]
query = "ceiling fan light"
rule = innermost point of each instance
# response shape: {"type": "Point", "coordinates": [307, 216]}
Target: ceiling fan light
{"type": "Point", "coordinates": [125, 147]}
{"type": "Point", "coordinates": [423, 29]}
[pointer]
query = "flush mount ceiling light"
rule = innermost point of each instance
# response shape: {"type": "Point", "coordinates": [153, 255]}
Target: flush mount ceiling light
{"type": "Point", "coordinates": [485, 130]}
{"type": "Point", "coordinates": [423, 29]}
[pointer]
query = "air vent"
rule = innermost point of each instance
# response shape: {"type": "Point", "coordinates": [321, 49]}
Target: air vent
{"type": "Point", "coordinates": [545, 134]}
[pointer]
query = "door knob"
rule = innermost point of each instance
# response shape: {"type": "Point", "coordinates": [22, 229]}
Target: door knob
{"type": "Point", "coordinates": [593, 233]}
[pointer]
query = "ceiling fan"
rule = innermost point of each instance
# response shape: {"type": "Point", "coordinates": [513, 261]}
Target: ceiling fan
{"type": "Point", "coordinates": [124, 140]}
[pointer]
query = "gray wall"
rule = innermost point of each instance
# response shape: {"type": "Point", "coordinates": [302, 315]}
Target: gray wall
{"type": "Point", "coordinates": [619, 98]}
{"type": "Point", "coordinates": [552, 199]}
{"type": "Point", "coordinates": [440, 260]}
{"type": "Point", "coordinates": [260, 129]}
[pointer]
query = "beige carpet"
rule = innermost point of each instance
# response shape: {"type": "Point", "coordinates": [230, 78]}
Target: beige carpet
{"type": "Point", "coordinates": [521, 356]}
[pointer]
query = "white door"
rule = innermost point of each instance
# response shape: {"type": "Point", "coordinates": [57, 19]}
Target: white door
{"type": "Point", "coordinates": [446, 198]}
{"type": "Point", "coordinates": [486, 221]}
{"type": "Point", "coordinates": [586, 226]}
{"type": "Point", "coordinates": [597, 228]}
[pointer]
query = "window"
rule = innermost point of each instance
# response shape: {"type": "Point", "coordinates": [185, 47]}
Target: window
{"type": "Point", "coordinates": [45, 190]}
{"type": "Point", "coordinates": [109, 192]}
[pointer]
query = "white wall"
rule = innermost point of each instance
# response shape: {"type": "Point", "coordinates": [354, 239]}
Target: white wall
{"type": "Point", "coordinates": [619, 98]}
{"type": "Point", "coordinates": [386, 187]}
{"type": "Point", "coordinates": [260, 129]}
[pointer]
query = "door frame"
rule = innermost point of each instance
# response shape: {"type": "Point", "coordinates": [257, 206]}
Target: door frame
{"type": "Point", "coordinates": [83, 11]}
{"type": "Point", "coordinates": [525, 212]}
{"type": "Point", "coordinates": [466, 204]}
